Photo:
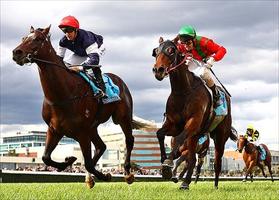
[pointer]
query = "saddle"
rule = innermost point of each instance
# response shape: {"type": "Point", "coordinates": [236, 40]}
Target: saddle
{"type": "Point", "coordinates": [112, 90]}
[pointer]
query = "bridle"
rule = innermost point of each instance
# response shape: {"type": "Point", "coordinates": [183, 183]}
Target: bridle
{"type": "Point", "coordinates": [174, 56]}
{"type": "Point", "coordinates": [31, 56]}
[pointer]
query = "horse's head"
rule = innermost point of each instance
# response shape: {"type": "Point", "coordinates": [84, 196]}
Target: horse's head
{"type": "Point", "coordinates": [31, 45]}
{"type": "Point", "coordinates": [241, 143]}
{"type": "Point", "coordinates": [165, 55]}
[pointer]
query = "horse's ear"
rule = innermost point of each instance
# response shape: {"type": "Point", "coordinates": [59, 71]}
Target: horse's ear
{"type": "Point", "coordinates": [32, 29]}
{"type": "Point", "coordinates": [46, 30]}
{"type": "Point", "coordinates": [161, 39]}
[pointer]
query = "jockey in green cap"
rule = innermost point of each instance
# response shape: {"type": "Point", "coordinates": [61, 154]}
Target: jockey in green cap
{"type": "Point", "coordinates": [203, 50]}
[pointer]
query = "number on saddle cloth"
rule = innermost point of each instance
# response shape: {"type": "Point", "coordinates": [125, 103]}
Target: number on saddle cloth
{"type": "Point", "coordinates": [112, 90]}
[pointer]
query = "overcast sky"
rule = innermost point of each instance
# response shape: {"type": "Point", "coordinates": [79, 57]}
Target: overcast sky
{"type": "Point", "coordinates": [247, 29]}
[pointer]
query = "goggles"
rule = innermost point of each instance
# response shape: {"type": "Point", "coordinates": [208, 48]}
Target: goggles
{"type": "Point", "coordinates": [68, 29]}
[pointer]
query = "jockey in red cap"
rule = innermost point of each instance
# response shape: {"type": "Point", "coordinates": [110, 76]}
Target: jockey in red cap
{"type": "Point", "coordinates": [87, 48]}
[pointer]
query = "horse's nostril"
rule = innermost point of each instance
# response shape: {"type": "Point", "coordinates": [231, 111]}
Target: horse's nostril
{"type": "Point", "coordinates": [161, 69]}
{"type": "Point", "coordinates": [17, 52]}
{"type": "Point", "coordinates": [154, 70]}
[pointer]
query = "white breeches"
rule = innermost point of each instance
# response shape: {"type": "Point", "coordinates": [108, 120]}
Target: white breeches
{"type": "Point", "coordinates": [199, 69]}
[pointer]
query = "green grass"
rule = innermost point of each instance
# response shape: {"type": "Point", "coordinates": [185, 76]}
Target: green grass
{"type": "Point", "coordinates": [140, 190]}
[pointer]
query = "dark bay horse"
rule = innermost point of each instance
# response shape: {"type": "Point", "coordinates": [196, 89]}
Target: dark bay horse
{"type": "Point", "coordinates": [201, 151]}
{"type": "Point", "coordinates": [251, 157]}
{"type": "Point", "coordinates": [188, 110]}
{"type": "Point", "coordinates": [69, 108]}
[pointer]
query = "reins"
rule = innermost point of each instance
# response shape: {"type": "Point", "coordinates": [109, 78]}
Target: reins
{"type": "Point", "coordinates": [185, 59]}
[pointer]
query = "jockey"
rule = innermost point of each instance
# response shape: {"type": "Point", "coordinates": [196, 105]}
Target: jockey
{"type": "Point", "coordinates": [252, 135]}
{"type": "Point", "coordinates": [203, 50]}
{"type": "Point", "coordinates": [87, 48]}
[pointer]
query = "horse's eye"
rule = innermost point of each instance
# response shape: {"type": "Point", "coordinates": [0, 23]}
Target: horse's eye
{"type": "Point", "coordinates": [170, 50]}
{"type": "Point", "coordinates": [22, 39]}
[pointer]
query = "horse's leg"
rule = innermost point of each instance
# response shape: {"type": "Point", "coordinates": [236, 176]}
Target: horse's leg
{"type": "Point", "coordinates": [174, 171]}
{"type": "Point", "coordinates": [251, 176]}
{"type": "Point", "coordinates": [182, 173]}
{"type": "Point", "coordinates": [262, 169]}
{"type": "Point", "coordinates": [85, 145]}
{"type": "Point", "coordinates": [161, 133]}
{"type": "Point", "coordinates": [52, 139]}
{"type": "Point", "coordinates": [198, 168]}
{"type": "Point", "coordinates": [249, 169]}
{"type": "Point", "coordinates": [100, 148]}
{"type": "Point", "coordinates": [219, 151]}
{"type": "Point", "coordinates": [270, 171]}
{"type": "Point", "coordinates": [129, 140]}
{"type": "Point", "coordinates": [191, 160]}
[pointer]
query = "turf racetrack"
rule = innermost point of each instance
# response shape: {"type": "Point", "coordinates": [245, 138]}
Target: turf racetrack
{"type": "Point", "coordinates": [141, 190]}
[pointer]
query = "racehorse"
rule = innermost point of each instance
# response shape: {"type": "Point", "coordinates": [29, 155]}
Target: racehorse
{"type": "Point", "coordinates": [70, 110]}
{"type": "Point", "coordinates": [188, 109]}
{"type": "Point", "coordinates": [252, 159]}
{"type": "Point", "coordinates": [201, 151]}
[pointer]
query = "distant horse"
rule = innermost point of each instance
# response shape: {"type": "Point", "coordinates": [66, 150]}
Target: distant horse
{"type": "Point", "coordinates": [69, 108]}
{"type": "Point", "coordinates": [189, 109]}
{"type": "Point", "coordinates": [201, 151]}
{"type": "Point", "coordinates": [251, 157]}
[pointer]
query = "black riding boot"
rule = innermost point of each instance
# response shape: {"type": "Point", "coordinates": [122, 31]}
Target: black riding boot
{"type": "Point", "coordinates": [100, 82]}
{"type": "Point", "coordinates": [216, 96]}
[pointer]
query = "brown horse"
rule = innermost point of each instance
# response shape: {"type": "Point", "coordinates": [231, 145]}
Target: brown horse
{"type": "Point", "coordinates": [252, 158]}
{"type": "Point", "coordinates": [201, 151]}
{"type": "Point", "coordinates": [188, 109]}
{"type": "Point", "coordinates": [69, 108]}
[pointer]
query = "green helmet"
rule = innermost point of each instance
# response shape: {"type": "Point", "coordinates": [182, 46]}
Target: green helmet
{"type": "Point", "coordinates": [187, 33]}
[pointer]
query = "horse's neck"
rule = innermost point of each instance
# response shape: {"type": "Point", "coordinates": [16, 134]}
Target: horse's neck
{"type": "Point", "coordinates": [56, 81]}
{"type": "Point", "coordinates": [181, 80]}
{"type": "Point", "coordinates": [250, 147]}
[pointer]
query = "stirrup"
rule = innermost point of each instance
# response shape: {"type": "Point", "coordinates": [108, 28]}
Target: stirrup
{"type": "Point", "coordinates": [100, 94]}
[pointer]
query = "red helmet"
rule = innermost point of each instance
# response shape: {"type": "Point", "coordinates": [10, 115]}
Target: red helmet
{"type": "Point", "coordinates": [69, 21]}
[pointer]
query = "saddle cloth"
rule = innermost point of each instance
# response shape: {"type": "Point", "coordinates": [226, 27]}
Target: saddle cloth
{"type": "Point", "coordinates": [112, 90]}
{"type": "Point", "coordinates": [262, 153]}
{"type": "Point", "coordinates": [222, 109]}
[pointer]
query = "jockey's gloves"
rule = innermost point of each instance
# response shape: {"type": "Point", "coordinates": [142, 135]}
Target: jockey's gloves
{"type": "Point", "coordinates": [210, 62]}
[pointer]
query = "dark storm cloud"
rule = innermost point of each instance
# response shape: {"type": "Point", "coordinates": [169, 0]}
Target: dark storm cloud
{"type": "Point", "coordinates": [249, 31]}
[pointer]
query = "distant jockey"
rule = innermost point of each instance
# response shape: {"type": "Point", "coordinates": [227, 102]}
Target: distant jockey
{"type": "Point", "coordinates": [252, 135]}
{"type": "Point", "coordinates": [87, 48]}
{"type": "Point", "coordinates": [204, 50]}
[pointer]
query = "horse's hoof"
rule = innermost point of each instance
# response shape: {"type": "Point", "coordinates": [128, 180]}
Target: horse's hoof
{"type": "Point", "coordinates": [130, 178]}
{"type": "Point", "coordinates": [184, 186]}
{"type": "Point", "coordinates": [166, 172]}
{"type": "Point", "coordinates": [71, 160]}
{"type": "Point", "coordinates": [244, 180]}
{"type": "Point", "coordinates": [89, 182]}
{"type": "Point", "coordinates": [174, 179]}
{"type": "Point", "coordinates": [108, 177]}
{"type": "Point", "coordinates": [216, 187]}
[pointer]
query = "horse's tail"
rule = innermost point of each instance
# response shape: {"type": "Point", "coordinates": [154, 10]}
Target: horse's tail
{"type": "Point", "coordinates": [138, 123]}
{"type": "Point", "coordinates": [233, 135]}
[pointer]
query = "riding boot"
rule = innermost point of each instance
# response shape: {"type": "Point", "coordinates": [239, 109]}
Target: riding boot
{"type": "Point", "coordinates": [100, 82]}
{"type": "Point", "coordinates": [216, 96]}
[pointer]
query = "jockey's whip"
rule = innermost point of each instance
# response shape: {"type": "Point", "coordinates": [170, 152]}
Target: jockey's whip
{"type": "Point", "coordinates": [220, 82]}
